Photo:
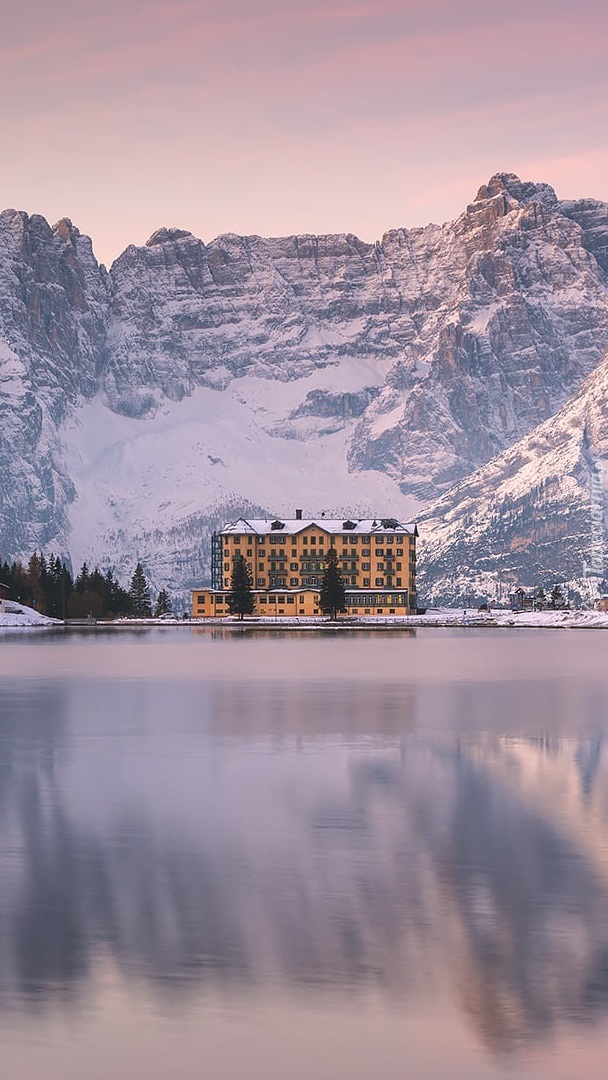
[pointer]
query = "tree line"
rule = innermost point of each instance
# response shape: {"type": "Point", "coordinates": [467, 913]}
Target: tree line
{"type": "Point", "coordinates": [47, 585]}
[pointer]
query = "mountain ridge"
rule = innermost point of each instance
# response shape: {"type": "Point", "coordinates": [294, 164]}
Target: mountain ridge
{"type": "Point", "coordinates": [398, 367]}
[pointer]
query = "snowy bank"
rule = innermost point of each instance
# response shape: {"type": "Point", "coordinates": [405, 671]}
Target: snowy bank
{"type": "Point", "coordinates": [433, 617]}
{"type": "Point", "coordinates": [13, 614]}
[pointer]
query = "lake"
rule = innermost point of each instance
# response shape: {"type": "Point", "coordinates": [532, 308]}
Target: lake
{"type": "Point", "coordinates": [303, 855]}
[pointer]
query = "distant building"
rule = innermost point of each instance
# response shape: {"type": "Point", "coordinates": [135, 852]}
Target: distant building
{"type": "Point", "coordinates": [523, 601]}
{"type": "Point", "coordinates": [286, 559]}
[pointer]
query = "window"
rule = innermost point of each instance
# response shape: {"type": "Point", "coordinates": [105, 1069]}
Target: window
{"type": "Point", "coordinates": [399, 566]}
{"type": "Point", "coordinates": [293, 566]}
{"type": "Point", "coordinates": [272, 599]}
{"type": "Point", "coordinates": [365, 551]}
{"type": "Point", "coordinates": [389, 539]}
{"type": "Point", "coordinates": [365, 539]}
{"type": "Point", "coordinates": [313, 539]}
{"type": "Point", "coordinates": [261, 582]}
{"type": "Point", "coordinates": [379, 581]}
{"type": "Point", "coordinates": [261, 553]}
{"type": "Point", "coordinates": [226, 566]}
{"type": "Point", "coordinates": [281, 600]}
{"type": "Point", "coordinates": [379, 611]}
{"type": "Point", "coordinates": [365, 566]}
{"type": "Point", "coordinates": [391, 611]}
{"type": "Point", "coordinates": [294, 581]}
{"type": "Point", "coordinates": [399, 552]}
{"type": "Point", "coordinates": [399, 540]}
{"type": "Point", "coordinates": [399, 582]}
{"type": "Point", "coordinates": [226, 583]}
{"type": "Point", "coordinates": [353, 579]}
{"type": "Point", "coordinates": [380, 553]}
{"type": "Point", "coordinates": [260, 566]}
{"type": "Point", "coordinates": [367, 611]}
{"type": "Point", "coordinates": [249, 553]}
{"type": "Point", "coordinates": [291, 600]}
{"type": "Point", "coordinates": [378, 539]}
{"type": "Point", "coordinates": [263, 599]}
{"type": "Point", "coordinates": [354, 539]}
{"type": "Point", "coordinates": [273, 566]}
{"type": "Point", "coordinates": [366, 582]}
{"type": "Point", "coordinates": [294, 552]}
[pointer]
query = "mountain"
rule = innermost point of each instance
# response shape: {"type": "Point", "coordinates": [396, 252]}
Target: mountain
{"type": "Point", "coordinates": [535, 515]}
{"type": "Point", "coordinates": [142, 405]}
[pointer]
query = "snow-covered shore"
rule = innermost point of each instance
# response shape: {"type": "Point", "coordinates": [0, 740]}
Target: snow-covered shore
{"type": "Point", "coordinates": [433, 617]}
{"type": "Point", "coordinates": [19, 615]}
{"type": "Point", "coordinates": [13, 614]}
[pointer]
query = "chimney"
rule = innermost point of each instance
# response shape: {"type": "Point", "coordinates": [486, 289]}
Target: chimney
{"type": "Point", "coordinates": [298, 515]}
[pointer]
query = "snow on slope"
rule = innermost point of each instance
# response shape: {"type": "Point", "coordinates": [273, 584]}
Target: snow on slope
{"type": "Point", "coordinates": [534, 515]}
{"type": "Point", "coordinates": [138, 483]}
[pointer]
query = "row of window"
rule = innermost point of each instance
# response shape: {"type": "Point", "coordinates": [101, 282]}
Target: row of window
{"type": "Point", "coordinates": [396, 539]}
{"type": "Point", "coordinates": [344, 554]}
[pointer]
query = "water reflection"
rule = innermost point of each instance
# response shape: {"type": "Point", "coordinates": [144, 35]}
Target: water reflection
{"type": "Point", "coordinates": [310, 835]}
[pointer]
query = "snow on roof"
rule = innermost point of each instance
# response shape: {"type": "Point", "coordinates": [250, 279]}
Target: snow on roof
{"type": "Point", "coordinates": [291, 526]}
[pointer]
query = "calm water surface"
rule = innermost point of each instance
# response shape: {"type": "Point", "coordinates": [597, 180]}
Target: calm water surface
{"type": "Point", "coordinates": [304, 856]}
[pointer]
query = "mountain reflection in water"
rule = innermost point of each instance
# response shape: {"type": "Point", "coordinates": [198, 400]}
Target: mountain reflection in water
{"type": "Point", "coordinates": [318, 837]}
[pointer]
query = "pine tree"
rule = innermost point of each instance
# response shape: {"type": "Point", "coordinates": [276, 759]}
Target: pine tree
{"type": "Point", "coordinates": [163, 604]}
{"type": "Point", "coordinates": [333, 596]}
{"type": "Point", "coordinates": [139, 594]}
{"type": "Point", "coordinates": [241, 600]}
{"type": "Point", "coordinates": [557, 597]}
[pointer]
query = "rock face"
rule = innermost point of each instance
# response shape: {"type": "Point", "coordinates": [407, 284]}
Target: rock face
{"type": "Point", "coordinates": [535, 516]}
{"type": "Point", "coordinates": [53, 314]}
{"type": "Point", "coordinates": [137, 406]}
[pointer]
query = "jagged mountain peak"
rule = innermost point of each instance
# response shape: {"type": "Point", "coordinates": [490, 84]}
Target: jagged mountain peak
{"type": "Point", "coordinates": [169, 236]}
{"type": "Point", "coordinates": [520, 191]}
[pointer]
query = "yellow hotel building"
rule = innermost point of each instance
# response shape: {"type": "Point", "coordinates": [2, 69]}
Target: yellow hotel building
{"type": "Point", "coordinates": [286, 559]}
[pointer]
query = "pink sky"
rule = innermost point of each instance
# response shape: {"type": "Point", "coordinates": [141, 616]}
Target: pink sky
{"type": "Point", "coordinates": [281, 116]}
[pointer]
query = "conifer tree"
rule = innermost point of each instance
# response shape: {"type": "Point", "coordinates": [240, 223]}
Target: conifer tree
{"type": "Point", "coordinates": [557, 597]}
{"type": "Point", "coordinates": [163, 604]}
{"type": "Point", "coordinates": [241, 600]}
{"type": "Point", "coordinates": [139, 594]}
{"type": "Point", "coordinates": [333, 596]}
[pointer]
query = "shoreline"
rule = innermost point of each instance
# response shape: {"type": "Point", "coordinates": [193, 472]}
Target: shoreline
{"type": "Point", "coordinates": [436, 618]}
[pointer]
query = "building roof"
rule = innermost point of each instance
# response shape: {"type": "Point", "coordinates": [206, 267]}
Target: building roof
{"type": "Point", "coordinates": [342, 526]}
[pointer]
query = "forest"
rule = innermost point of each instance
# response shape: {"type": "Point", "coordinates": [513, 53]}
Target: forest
{"type": "Point", "coordinates": [47, 585]}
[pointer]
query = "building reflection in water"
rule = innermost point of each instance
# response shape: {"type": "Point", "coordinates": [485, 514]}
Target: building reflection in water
{"type": "Point", "coordinates": [314, 836]}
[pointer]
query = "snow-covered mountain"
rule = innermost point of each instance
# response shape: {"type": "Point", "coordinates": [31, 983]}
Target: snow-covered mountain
{"type": "Point", "coordinates": [142, 405]}
{"type": "Point", "coordinates": [535, 515]}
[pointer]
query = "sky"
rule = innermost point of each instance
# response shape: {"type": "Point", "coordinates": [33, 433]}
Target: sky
{"type": "Point", "coordinates": [271, 117]}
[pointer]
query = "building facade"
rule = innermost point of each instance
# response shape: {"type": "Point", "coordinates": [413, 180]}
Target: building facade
{"type": "Point", "coordinates": [286, 560]}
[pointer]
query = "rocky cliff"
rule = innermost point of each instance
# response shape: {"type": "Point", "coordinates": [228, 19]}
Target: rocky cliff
{"type": "Point", "coordinates": [536, 515]}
